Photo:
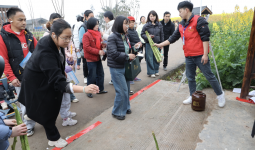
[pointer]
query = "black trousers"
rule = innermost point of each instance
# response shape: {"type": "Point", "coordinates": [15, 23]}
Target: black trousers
{"type": "Point", "coordinates": [166, 49]}
{"type": "Point", "coordinates": [85, 67]}
{"type": "Point", "coordinates": [51, 132]}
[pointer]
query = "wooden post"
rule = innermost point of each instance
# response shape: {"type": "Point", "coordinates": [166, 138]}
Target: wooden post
{"type": "Point", "coordinates": [249, 67]}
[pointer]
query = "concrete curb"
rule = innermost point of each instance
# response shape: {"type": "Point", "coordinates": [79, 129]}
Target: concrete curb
{"type": "Point", "coordinates": [171, 72]}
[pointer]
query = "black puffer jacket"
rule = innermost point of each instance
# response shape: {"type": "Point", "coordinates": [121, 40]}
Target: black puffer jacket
{"type": "Point", "coordinates": [168, 28]}
{"type": "Point", "coordinates": [116, 56]}
{"type": "Point", "coordinates": [156, 30]}
{"type": "Point", "coordinates": [133, 37]}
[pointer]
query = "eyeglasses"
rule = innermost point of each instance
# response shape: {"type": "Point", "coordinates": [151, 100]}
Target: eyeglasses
{"type": "Point", "coordinates": [66, 39]}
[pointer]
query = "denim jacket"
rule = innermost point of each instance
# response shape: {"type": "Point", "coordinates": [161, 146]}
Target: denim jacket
{"type": "Point", "coordinates": [5, 133]}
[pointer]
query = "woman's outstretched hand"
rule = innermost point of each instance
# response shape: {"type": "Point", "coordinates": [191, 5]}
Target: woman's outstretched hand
{"type": "Point", "coordinates": [92, 88]}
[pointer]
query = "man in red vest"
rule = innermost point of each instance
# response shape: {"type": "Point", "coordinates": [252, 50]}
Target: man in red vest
{"type": "Point", "coordinates": [15, 43]}
{"type": "Point", "coordinates": [195, 36]}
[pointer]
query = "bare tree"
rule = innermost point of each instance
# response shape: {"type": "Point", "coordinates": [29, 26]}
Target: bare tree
{"type": "Point", "coordinates": [59, 8]}
{"type": "Point", "coordinates": [31, 13]}
{"type": "Point", "coordinates": [120, 8]}
{"type": "Point", "coordinates": [92, 8]}
{"type": "Point", "coordinates": [134, 8]}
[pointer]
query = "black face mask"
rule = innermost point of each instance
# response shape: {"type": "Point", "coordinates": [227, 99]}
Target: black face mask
{"type": "Point", "coordinates": [1, 66]}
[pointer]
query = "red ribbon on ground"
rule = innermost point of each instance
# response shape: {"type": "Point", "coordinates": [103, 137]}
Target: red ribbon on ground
{"type": "Point", "coordinates": [245, 100]}
{"type": "Point", "coordinates": [143, 89]}
{"type": "Point", "coordinates": [76, 136]}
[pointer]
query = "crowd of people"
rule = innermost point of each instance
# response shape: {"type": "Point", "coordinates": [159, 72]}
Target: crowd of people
{"type": "Point", "coordinates": [44, 80]}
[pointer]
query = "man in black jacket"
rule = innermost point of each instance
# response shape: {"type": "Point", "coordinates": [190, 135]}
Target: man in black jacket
{"type": "Point", "coordinates": [168, 29]}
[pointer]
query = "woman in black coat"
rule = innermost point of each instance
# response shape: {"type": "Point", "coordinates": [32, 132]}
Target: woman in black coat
{"type": "Point", "coordinates": [118, 53]}
{"type": "Point", "coordinates": [155, 29]}
{"type": "Point", "coordinates": [44, 81]}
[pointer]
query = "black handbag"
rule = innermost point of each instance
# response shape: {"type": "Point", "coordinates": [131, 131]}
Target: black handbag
{"type": "Point", "coordinates": [132, 69]}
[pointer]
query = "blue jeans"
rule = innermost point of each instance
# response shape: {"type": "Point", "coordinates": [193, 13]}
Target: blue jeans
{"type": "Point", "coordinates": [152, 64]}
{"type": "Point", "coordinates": [96, 74]}
{"type": "Point", "coordinates": [122, 88]}
{"type": "Point", "coordinates": [191, 65]}
{"type": "Point", "coordinates": [79, 61]}
{"type": "Point", "coordinates": [72, 97]}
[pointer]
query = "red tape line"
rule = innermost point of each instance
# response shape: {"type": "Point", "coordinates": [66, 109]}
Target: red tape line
{"type": "Point", "coordinates": [143, 89]}
{"type": "Point", "coordinates": [76, 136]}
{"type": "Point", "coordinates": [245, 100]}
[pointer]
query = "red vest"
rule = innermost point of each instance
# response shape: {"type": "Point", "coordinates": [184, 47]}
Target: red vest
{"type": "Point", "coordinates": [193, 45]}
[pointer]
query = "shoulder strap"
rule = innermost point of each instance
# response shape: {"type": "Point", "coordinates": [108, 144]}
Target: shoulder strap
{"type": "Point", "coordinates": [85, 28]}
{"type": "Point", "coordinates": [30, 40]}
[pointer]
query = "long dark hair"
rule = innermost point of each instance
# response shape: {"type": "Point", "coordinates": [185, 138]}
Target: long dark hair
{"type": "Point", "coordinates": [58, 26]}
{"type": "Point", "coordinates": [154, 14]}
{"type": "Point", "coordinates": [118, 24]}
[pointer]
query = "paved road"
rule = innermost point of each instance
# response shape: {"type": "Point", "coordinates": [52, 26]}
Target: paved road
{"type": "Point", "coordinates": [87, 109]}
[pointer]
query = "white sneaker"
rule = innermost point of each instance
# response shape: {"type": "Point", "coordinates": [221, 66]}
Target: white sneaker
{"type": "Point", "coordinates": [157, 74]}
{"type": "Point", "coordinates": [111, 82]}
{"type": "Point", "coordinates": [59, 143]}
{"type": "Point", "coordinates": [72, 114]}
{"type": "Point", "coordinates": [4, 105]}
{"type": "Point", "coordinates": [75, 100]}
{"type": "Point", "coordinates": [30, 132]}
{"type": "Point", "coordinates": [26, 117]}
{"type": "Point", "coordinates": [153, 76]}
{"type": "Point", "coordinates": [221, 100]}
{"type": "Point", "coordinates": [85, 80]}
{"type": "Point", "coordinates": [188, 101]}
{"type": "Point", "coordinates": [69, 122]}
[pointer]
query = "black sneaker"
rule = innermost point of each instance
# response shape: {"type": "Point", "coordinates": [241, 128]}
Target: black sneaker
{"type": "Point", "coordinates": [119, 117]}
{"type": "Point", "coordinates": [90, 95]}
{"type": "Point", "coordinates": [129, 111]}
{"type": "Point", "coordinates": [30, 132]}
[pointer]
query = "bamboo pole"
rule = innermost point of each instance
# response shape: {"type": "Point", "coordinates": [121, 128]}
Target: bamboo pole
{"type": "Point", "coordinates": [23, 138]}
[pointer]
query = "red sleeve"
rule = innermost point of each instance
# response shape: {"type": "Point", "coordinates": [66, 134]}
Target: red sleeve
{"type": "Point", "coordinates": [87, 47]}
{"type": "Point", "coordinates": [35, 42]}
{"type": "Point", "coordinates": [4, 53]}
